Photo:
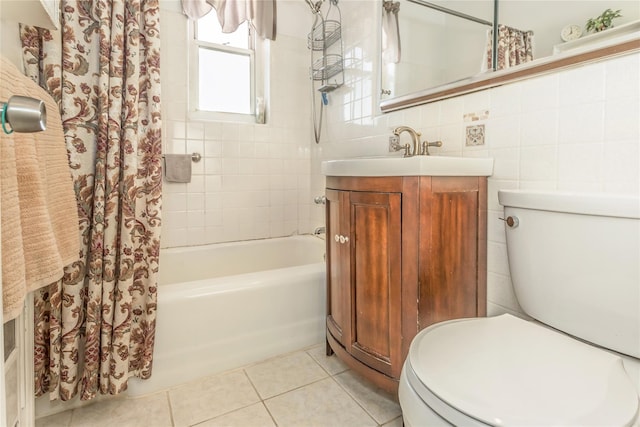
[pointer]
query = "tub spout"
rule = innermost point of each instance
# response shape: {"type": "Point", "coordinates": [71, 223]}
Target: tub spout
{"type": "Point", "coordinates": [319, 230]}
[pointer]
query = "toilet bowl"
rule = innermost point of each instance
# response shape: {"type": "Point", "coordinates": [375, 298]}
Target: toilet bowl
{"type": "Point", "coordinates": [574, 261]}
{"type": "Point", "coordinates": [505, 371]}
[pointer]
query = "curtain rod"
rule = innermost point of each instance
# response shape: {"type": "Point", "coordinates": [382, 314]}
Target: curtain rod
{"type": "Point", "coordinates": [451, 12]}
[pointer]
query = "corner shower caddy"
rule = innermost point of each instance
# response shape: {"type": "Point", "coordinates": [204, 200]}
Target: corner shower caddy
{"type": "Point", "coordinates": [327, 53]}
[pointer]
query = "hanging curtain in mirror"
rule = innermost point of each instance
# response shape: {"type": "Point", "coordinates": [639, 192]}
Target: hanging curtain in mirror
{"type": "Point", "coordinates": [514, 47]}
{"type": "Point", "coordinates": [231, 13]}
{"type": "Point", "coordinates": [390, 32]}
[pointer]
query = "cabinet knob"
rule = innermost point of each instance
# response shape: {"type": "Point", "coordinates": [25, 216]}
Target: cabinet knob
{"type": "Point", "coordinates": [341, 239]}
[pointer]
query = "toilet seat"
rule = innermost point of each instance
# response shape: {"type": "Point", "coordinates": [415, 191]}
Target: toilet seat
{"type": "Point", "coordinates": [507, 371]}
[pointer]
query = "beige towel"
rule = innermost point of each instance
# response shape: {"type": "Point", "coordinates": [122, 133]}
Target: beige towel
{"type": "Point", "coordinates": [177, 167]}
{"type": "Point", "coordinates": [40, 233]}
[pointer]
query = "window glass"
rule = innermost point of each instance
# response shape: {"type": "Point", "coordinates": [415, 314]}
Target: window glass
{"type": "Point", "coordinates": [224, 81]}
{"type": "Point", "coordinates": [224, 77]}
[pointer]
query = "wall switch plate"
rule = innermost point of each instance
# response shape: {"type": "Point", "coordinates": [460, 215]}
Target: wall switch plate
{"type": "Point", "coordinates": [475, 135]}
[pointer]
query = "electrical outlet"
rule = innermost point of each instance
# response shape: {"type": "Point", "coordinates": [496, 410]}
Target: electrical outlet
{"type": "Point", "coordinates": [394, 143]}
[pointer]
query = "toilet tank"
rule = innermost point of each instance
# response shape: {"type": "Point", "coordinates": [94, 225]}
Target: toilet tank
{"type": "Point", "coordinates": [575, 263]}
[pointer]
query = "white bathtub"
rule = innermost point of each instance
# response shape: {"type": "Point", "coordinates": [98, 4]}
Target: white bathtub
{"type": "Point", "coordinates": [226, 305]}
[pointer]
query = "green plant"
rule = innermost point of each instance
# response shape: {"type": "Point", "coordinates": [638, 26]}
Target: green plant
{"type": "Point", "coordinates": [603, 21]}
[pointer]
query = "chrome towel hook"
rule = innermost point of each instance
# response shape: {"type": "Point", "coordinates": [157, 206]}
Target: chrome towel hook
{"type": "Point", "coordinates": [24, 114]}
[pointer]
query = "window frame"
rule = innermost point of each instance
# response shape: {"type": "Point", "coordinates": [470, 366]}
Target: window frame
{"type": "Point", "coordinates": [256, 53]}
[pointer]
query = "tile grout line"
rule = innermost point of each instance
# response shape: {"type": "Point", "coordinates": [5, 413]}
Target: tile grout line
{"type": "Point", "coordinates": [332, 376]}
{"type": "Point", "coordinates": [322, 367]}
{"type": "Point", "coordinates": [392, 420]}
{"type": "Point", "coordinates": [297, 387]}
{"type": "Point", "coordinates": [259, 396]}
{"type": "Point", "coordinates": [70, 424]}
{"type": "Point", "coordinates": [233, 410]}
{"type": "Point", "coordinates": [171, 417]}
{"type": "Point", "coordinates": [356, 401]}
{"type": "Point", "coordinates": [263, 400]}
{"type": "Point", "coordinates": [269, 412]}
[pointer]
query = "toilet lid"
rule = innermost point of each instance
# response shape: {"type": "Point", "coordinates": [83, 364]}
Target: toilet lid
{"type": "Point", "coordinates": [507, 371]}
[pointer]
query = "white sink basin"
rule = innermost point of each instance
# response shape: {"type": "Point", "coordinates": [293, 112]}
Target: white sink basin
{"type": "Point", "coordinates": [409, 166]}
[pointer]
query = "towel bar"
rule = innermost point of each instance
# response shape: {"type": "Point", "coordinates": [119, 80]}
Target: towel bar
{"type": "Point", "coordinates": [195, 157]}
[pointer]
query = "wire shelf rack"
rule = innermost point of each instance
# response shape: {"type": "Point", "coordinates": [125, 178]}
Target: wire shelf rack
{"type": "Point", "coordinates": [326, 67]}
{"type": "Point", "coordinates": [324, 35]}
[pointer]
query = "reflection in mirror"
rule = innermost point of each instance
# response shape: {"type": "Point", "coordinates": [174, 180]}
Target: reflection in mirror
{"type": "Point", "coordinates": [547, 19]}
{"type": "Point", "coordinates": [441, 52]}
{"type": "Point", "coordinates": [438, 44]}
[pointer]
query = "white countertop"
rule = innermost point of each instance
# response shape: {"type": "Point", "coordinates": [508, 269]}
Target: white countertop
{"type": "Point", "coordinates": [409, 166]}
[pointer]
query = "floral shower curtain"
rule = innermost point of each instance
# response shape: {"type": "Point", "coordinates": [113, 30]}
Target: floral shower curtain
{"type": "Point", "coordinates": [514, 47]}
{"type": "Point", "coordinates": [95, 328]}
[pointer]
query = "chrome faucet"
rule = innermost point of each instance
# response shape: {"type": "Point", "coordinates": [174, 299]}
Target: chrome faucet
{"type": "Point", "coordinates": [319, 230]}
{"type": "Point", "coordinates": [415, 138]}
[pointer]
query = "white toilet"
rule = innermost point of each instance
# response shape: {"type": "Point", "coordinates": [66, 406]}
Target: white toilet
{"type": "Point", "coordinates": [575, 266]}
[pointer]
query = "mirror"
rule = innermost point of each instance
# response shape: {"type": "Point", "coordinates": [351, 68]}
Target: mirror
{"type": "Point", "coordinates": [446, 46]}
{"type": "Point", "coordinates": [440, 42]}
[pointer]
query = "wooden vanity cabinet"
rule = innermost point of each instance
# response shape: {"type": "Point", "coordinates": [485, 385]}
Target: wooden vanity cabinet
{"type": "Point", "coordinates": [402, 253]}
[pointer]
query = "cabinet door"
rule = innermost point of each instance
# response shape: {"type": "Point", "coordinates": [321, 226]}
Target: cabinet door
{"type": "Point", "coordinates": [452, 262]}
{"type": "Point", "coordinates": [338, 265]}
{"type": "Point", "coordinates": [376, 263]}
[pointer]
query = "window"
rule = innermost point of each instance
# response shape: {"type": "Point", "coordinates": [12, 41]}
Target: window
{"type": "Point", "coordinates": [223, 71]}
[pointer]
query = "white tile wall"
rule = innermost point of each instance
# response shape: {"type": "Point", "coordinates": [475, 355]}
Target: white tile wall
{"type": "Point", "coordinates": [575, 130]}
{"type": "Point", "coordinates": [253, 181]}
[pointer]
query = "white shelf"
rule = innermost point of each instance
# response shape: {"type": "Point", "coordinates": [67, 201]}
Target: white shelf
{"type": "Point", "coordinates": [601, 39]}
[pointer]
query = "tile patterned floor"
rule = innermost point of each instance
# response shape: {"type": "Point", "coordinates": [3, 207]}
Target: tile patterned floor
{"type": "Point", "coordinates": [299, 389]}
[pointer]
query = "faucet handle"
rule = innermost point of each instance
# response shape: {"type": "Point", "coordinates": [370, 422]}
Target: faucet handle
{"type": "Point", "coordinates": [426, 144]}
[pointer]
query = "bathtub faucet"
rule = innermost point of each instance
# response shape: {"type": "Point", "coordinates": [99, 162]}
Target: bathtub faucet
{"type": "Point", "coordinates": [319, 230]}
